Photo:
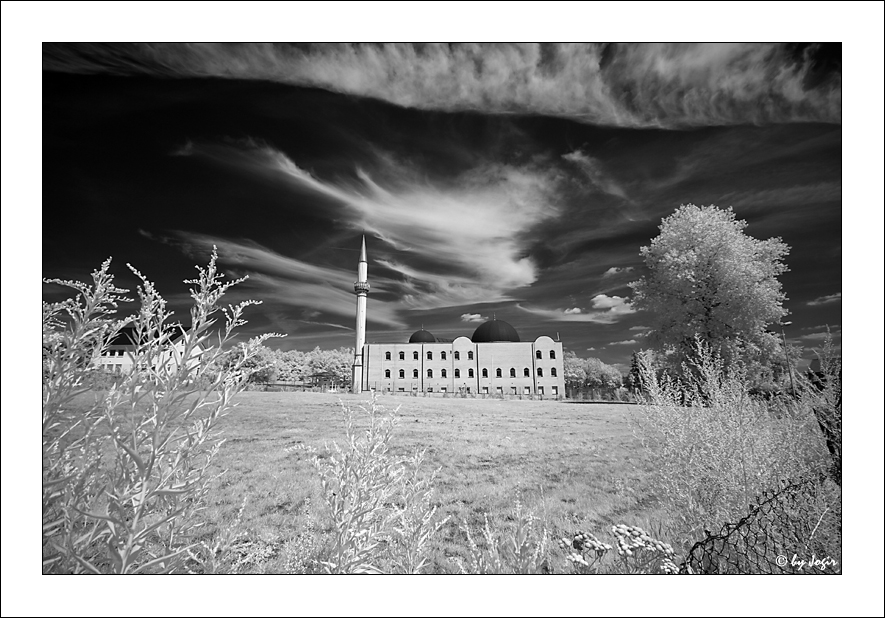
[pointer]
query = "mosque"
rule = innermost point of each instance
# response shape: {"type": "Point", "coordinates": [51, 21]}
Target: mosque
{"type": "Point", "coordinates": [493, 361]}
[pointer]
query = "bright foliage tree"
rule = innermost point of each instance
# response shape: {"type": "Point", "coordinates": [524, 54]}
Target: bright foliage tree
{"type": "Point", "coordinates": [708, 278]}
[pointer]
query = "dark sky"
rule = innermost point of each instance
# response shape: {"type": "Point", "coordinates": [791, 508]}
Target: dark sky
{"type": "Point", "coordinates": [515, 181]}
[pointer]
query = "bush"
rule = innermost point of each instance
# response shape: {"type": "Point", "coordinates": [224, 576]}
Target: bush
{"type": "Point", "coordinates": [381, 507]}
{"type": "Point", "coordinates": [714, 446]}
{"type": "Point", "coordinates": [123, 477]}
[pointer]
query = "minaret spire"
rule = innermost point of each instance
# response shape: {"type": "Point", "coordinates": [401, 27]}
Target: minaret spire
{"type": "Point", "coordinates": [361, 289]}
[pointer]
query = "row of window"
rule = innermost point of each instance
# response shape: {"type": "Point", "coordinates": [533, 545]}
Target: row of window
{"type": "Point", "coordinates": [527, 390]}
{"type": "Point", "coordinates": [402, 355]}
{"type": "Point", "coordinates": [113, 353]}
{"type": "Point", "coordinates": [485, 373]}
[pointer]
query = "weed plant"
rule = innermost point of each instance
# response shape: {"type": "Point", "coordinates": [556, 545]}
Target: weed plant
{"type": "Point", "coordinates": [715, 446]}
{"type": "Point", "coordinates": [381, 508]}
{"type": "Point", "coordinates": [123, 478]}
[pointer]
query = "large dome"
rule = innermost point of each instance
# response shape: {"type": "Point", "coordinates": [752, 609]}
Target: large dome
{"type": "Point", "coordinates": [422, 336]}
{"type": "Point", "coordinates": [494, 330]}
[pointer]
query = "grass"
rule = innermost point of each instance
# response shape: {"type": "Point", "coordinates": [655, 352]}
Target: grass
{"type": "Point", "coordinates": [576, 466]}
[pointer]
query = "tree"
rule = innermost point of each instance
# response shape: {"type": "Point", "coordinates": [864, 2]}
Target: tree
{"type": "Point", "coordinates": [709, 279]}
{"type": "Point", "coordinates": [573, 370]}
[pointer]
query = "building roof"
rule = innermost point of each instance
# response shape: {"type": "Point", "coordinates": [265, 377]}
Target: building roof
{"type": "Point", "coordinates": [422, 336]}
{"type": "Point", "coordinates": [127, 336]}
{"type": "Point", "coordinates": [494, 330]}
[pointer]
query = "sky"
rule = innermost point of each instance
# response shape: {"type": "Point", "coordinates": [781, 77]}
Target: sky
{"type": "Point", "coordinates": [514, 181]}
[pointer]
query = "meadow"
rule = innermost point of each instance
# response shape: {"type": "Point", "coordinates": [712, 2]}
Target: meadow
{"type": "Point", "coordinates": [576, 466]}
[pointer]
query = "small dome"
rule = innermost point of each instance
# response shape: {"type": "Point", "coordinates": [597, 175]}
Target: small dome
{"type": "Point", "coordinates": [494, 330]}
{"type": "Point", "coordinates": [422, 336]}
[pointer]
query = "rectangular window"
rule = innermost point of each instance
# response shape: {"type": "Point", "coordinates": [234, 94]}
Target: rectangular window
{"type": "Point", "coordinates": [512, 390]}
{"type": "Point", "coordinates": [429, 389]}
{"type": "Point", "coordinates": [485, 389]}
{"type": "Point", "coordinates": [540, 390]}
{"type": "Point", "coordinates": [443, 389]}
{"type": "Point", "coordinates": [527, 390]}
{"type": "Point", "coordinates": [402, 390]}
{"type": "Point", "coordinates": [500, 390]}
{"type": "Point", "coordinates": [555, 390]}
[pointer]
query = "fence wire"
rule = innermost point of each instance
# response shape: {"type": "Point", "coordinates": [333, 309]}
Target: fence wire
{"type": "Point", "coordinates": [795, 529]}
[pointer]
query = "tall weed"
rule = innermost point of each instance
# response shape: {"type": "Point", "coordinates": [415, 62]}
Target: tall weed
{"type": "Point", "coordinates": [714, 446]}
{"type": "Point", "coordinates": [381, 508]}
{"type": "Point", "coordinates": [124, 476]}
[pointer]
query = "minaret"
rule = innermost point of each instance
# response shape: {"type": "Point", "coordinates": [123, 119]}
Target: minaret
{"type": "Point", "coordinates": [361, 289]}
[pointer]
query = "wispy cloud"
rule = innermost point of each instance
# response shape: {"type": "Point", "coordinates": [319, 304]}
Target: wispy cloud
{"type": "Point", "coordinates": [625, 342]}
{"type": "Point", "coordinates": [616, 270]}
{"type": "Point", "coordinates": [609, 309]}
{"type": "Point", "coordinates": [785, 196]}
{"type": "Point", "coordinates": [825, 300]}
{"type": "Point", "coordinates": [274, 278]}
{"type": "Point", "coordinates": [821, 336]}
{"type": "Point", "coordinates": [635, 85]}
{"type": "Point", "coordinates": [639, 328]}
{"type": "Point", "coordinates": [465, 239]}
{"type": "Point", "coordinates": [594, 171]}
{"type": "Point", "coordinates": [472, 317]}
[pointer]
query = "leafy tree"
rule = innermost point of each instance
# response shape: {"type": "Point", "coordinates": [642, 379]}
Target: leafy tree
{"type": "Point", "coordinates": [601, 376]}
{"type": "Point", "coordinates": [573, 370]}
{"type": "Point", "coordinates": [707, 278]}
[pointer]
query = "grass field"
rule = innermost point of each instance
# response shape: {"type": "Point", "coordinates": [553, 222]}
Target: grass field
{"type": "Point", "coordinates": [574, 465]}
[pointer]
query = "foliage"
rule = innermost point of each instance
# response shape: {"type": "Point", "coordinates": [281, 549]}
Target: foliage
{"type": "Point", "coordinates": [714, 446]}
{"type": "Point", "coordinates": [381, 509]}
{"type": "Point", "coordinates": [708, 278]}
{"type": "Point", "coordinates": [123, 478]}
{"type": "Point", "coordinates": [822, 393]}
{"type": "Point", "coordinates": [523, 550]}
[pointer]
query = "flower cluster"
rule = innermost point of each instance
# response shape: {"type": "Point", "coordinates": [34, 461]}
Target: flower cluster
{"type": "Point", "coordinates": [635, 542]}
{"type": "Point", "coordinates": [583, 543]}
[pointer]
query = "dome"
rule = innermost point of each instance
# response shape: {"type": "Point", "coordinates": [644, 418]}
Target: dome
{"type": "Point", "coordinates": [494, 330]}
{"type": "Point", "coordinates": [422, 336]}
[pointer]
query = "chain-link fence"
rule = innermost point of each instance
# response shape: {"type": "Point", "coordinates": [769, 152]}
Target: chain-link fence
{"type": "Point", "coordinates": [795, 529]}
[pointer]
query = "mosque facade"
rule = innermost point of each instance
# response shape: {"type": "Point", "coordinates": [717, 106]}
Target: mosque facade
{"type": "Point", "coordinates": [492, 361]}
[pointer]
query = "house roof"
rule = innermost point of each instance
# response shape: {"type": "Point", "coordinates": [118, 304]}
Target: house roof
{"type": "Point", "coordinates": [127, 336]}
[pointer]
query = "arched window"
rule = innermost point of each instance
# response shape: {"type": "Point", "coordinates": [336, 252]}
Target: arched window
{"type": "Point", "coordinates": [415, 373]}
{"type": "Point", "coordinates": [415, 355]}
{"type": "Point", "coordinates": [538, 355]}
{"type": "Point", "coordinates": [485, 373]}
{"type": "Point", "coordinates": [402, 373]}
{"type": "Point", "coordinates": [470, 355]}
{"type": "Point", "coordinates": [553, 372]}
{"type": "Point", "coordinates": [430, 373]}
{"type": "Point", "coordinates": [552, 354]}
{"type": "Point", "coordinates": [540, 372]}
{"type": "Point", "coordinates": [442, 355]}
{"type": "Point", "coordinates": [470, 373]}
{"type": "Point", "coordinates": [527, 373]}
{"type": "Point", "coordinates": [457, 356]}
{"type": "Point", "coordinates": [512, 372]}
{"type": "Point", "coordinates": [457, 373]}
{"type": "Point", "coordinates": [387, 373]}
{"type": "Point", "coordinates": [387, 356]}
{"type": "Point", "coordinates": [430, 356]}
{"type": "Point", "coordinates": [402, 356]}
{"type": "Point", "coordinates": [443, 373]}
{"type": "Point", "coordinates": [498, 372]}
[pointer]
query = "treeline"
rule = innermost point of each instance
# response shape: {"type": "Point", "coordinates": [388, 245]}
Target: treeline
{"type": "Point", "coordinates": [592, 374]}
{"type": "Point", "coordinates": [271, 366]}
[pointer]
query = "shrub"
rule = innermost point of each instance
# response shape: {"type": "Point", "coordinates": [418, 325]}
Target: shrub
{"type": "Point", "coordinates": [714, 446]}
{"type": "Point", "coordinates": [124, 474]}
{"type": "Point", "coordinates": [381, 509]}
{"type": "Point", "coordinates": [522, 550]}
